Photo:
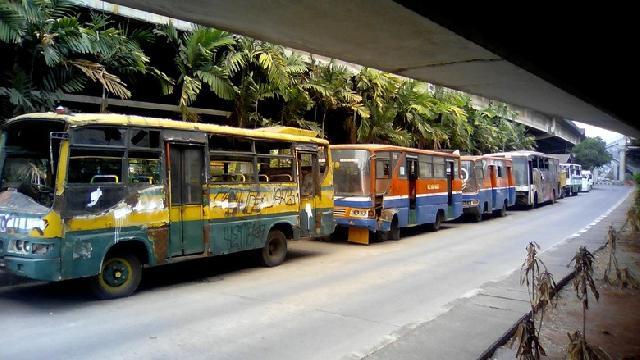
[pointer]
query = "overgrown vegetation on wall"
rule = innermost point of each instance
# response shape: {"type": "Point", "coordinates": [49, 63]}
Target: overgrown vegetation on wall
{"type": "Point", "coordinates": [56, 52]}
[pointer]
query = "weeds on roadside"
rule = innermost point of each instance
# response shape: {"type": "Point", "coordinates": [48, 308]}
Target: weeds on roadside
{"type": "Point", "coordinates": [623, 277]}
{"type": "Point", "coordinates": [541, 287]}
{"type": "Point", "coordinates": [578, 348]}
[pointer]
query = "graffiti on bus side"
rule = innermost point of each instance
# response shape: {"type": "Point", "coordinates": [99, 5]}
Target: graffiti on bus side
{"type": "Point", "coordinates": [244, 235]}
{"type": "Point", "coordinates": [245, 202]}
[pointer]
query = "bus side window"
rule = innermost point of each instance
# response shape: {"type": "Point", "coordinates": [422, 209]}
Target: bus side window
{"type": "Point", "coordinates": [425, 166]}
{"type": "Point", "coordinates": [275, 161]}
{"type": "Point", "coordinates": [95, 166]}
{"type": "Point", "coordinates": [231, 169]}
{"type": "Point", "coordinates": [94, 181]}
{"type": "Point", "coordinates": [144, 167]}
{"type": "Point", "coordinates": [439, 170]}
{"type": "Point", "coordinates": [499, 171]}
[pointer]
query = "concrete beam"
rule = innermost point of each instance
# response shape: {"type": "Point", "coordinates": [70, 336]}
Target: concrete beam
{"type": "Point", "coordinates": [385, 35]}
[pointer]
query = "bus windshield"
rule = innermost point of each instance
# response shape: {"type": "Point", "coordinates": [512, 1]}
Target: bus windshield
{"type": "Point", "coordinates": [468, 176]}
{"type": "Point", "coordinates": [26, 153]}
{"type": "Point", "coordinates": [351, 172]}
{"type": "Point", "coordinates": [520, 170]}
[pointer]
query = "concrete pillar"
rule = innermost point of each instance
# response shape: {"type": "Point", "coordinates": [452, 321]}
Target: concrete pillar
{"type": "Point", "coordinates": [623, 163]}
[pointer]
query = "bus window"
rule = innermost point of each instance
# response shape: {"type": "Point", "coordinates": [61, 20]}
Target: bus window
{"type": "Point", "coordinates": [230, 143]}
{"type": "Point", "coordinates": [383, 166]}
{"type": "Point", "coordinates": [439, 170]}
{"type": "Point", "coordinates": [91, 166]}
{"type": "Point", "coordinates": [425, 166]}
{"type": "Point", "coordinates": [143, 138]}
{"type": "Point", "coordinates": [322, 150]}
{"type": "Point", "coordinates": [236, 169]}
{"type": "Point", "coordinates": [94, 181]}
{"type": "Point", "coordinates": [499, 171]}
{"type": "Point", "coordinates": [110, 136]}
{"type": "Point", "coordinates": [275, 161]}
{"type": "Point", "coordinates": [144, 168]}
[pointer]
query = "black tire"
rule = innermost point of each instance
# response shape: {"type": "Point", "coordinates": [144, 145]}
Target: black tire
{"type": "Point", "coordinates": [476, 216]}
{"type": "Point", "coordinates": [553, 200]}
{"type": "Point", "coordinates": [535, 201]}
{"type": "Point", "coordinates": [275, 249]}
{"type": "Point", "coordinates": [394, 233]}
{"type": "Point", "coordinates": [119, 276]}
{"type": "Point", "coordinates": [503, 212]}
{"type": "Point", "coordinates": [436, 225]}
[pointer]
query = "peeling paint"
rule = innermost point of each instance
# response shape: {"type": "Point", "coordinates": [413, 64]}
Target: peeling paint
{"type": "Point", "coordinates": [82, 250]}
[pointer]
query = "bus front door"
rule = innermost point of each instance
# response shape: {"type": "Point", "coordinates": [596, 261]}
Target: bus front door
{"type": "Point", "coordinates": [412, 176]}
{"type": "Point", "coordinates": [309, 182]}
{"type": "Point", "coordinates": [450, 174]}
{"type": "Point", "coordinates": [185, 167]}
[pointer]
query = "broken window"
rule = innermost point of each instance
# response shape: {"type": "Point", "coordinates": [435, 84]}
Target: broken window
{"type": "Point", "coordinates": [143, 138]}
{"type": "Point", "coordinates": [275, 161]}
{"type": "Point", "coordinates": [26, 158]}
{"type": "Point", "coordinates": [95, 166]}
{"type": "Point", "coordinates": [144, 168]}
{"type": "Point", "coordinates": [230, 143]}
{"type": "Point", "coordinates": [231, 168]}
{"type": "Point", "coordinates": [111, 136]}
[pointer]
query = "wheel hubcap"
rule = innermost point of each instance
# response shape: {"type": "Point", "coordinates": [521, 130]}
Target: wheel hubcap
{"type": "Point", "coordinates": [115, 273]}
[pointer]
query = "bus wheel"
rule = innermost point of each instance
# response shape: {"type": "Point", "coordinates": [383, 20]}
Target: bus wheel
{"type": "Point", "coordinates": [394, 233]}
{"type": "Point", "coordinates": [436, 225]}
{"type": "Point", "coordinates": [275, 250]}
{"type": "Point", "coordinates": [119, 276]}
{"type": "Point", "coordinates": [476, 216]}
{"type": "Point", "coordinates": [503, 212]}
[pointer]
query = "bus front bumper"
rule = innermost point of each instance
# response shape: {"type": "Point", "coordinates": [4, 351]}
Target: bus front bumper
{"type": "Point", "coordinates": [43, 266]}
{"type": "Point", "coordinates": [370, 224]}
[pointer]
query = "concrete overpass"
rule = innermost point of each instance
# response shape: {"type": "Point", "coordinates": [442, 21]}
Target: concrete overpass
{"type": "Point", "coordinates": [538, 58]}
{"type": "Point", "coordinates": [554, 135]}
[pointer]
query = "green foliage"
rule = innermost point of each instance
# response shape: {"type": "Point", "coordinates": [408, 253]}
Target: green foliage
{"type": "Point", "coordinates": [200, 60]}
{"type": "Point", "coordinates": [55, 53]}
{"type": "Point", "coordinates": [265, 83]}
{"type": "Point", "coordinates": [591, 153]}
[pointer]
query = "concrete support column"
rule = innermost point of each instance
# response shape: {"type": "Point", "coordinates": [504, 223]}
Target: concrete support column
{"type": "Point", "coordinates": [623, 163]}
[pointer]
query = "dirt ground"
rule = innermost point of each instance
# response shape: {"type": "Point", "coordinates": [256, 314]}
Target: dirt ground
{"type": "Point", "coordinates": [613, 322]}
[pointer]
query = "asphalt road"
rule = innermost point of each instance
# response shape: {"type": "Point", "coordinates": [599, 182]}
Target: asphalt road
{"type": "Point", "coordinates": [328, 301]}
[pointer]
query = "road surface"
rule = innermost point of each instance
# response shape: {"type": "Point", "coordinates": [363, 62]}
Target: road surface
{"type": "Point", "coordinates": [330, 300]}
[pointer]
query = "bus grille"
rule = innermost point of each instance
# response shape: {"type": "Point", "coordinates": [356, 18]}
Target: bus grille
{"type": "Point", "coordinates": [339, 211]}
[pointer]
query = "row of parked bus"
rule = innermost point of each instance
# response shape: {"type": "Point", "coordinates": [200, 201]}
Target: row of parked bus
{"type": "Point", "coordinates": [100, 196]}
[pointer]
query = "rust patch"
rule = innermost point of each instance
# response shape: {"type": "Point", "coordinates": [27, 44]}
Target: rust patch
{"type": "Point", "coordinates": [160, 238]}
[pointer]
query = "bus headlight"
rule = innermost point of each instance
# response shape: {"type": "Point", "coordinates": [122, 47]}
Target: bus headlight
{"type": "Point", "coordinates": [41, 249]}
{"type": "Point", "coordinates": [470, 203]}
{"type": "Point", "coordinates": [362, 213]}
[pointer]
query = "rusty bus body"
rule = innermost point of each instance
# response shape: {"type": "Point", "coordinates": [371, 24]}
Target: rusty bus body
{"type": "Point", "coordinates": [100, 195]}
{"type": "Point", "coordinates": [382, 188]}
{"type": "Point", "coordinates": [488, 187]}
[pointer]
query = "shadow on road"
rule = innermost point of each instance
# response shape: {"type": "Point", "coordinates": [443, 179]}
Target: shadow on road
{"type": "Point", "coordinates": [67, 294]}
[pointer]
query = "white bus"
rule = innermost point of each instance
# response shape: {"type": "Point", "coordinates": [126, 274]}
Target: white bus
{"type": "Point", "coordinates": [536, 176]}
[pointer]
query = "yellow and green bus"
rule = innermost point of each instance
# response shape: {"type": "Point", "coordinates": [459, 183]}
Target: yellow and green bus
{"type": "Point", "coordinates": [102, 195]}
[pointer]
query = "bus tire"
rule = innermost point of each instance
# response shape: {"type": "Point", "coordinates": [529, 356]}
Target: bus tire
{"type": "Point", "coordinates": [119, 276]}
{"type": "Point", "coordinates": [503, 211]}
{"type": "Point", "coordinates": [553, 200]}
{"type": "Point", "coordinates": [476, 216]}
{"type": "Point", "coordinates": [275, 249]}
{"type": "Point", "coordinates": [394, 233]}
{"type": "Point", "coordinates": [438, 222]}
